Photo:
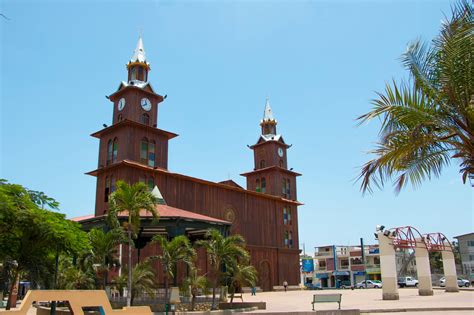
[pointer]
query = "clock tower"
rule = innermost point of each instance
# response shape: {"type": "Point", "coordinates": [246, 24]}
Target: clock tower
{"type": "Point", "coordinates": [271, 174]}
{"type": "Point", "coordinates": [132, 147]}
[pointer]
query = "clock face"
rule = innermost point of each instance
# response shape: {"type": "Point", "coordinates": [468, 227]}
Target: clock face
{"type": "Point", "coordinates": [121, 104]}
{"type": "Point", "coordinates": [146, 104]}
{"type": "Point", "coordinates": [280, 152]}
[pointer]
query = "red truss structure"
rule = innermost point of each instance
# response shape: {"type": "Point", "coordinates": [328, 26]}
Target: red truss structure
{"type": "Point", "coordinates": [406, 237]}
{"type": "Point", "coordinates": [437, 242]}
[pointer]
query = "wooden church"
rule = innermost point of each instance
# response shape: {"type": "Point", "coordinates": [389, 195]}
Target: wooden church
{"type": "Point", "coordinates": [133, 149]}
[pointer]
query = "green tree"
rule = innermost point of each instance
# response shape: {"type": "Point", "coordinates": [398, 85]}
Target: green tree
{"type": "Point", "coordinates": [241, 274]}
{"type": "Point", "coordinates": [75, 277]}
{"type": "Point", "coordinates": [143, 280]}
{"type": "Point", "coordinates": [131, 200]}
{"type": "Point", "coordinates": [222, 252]}
{"type": "Point", "coordinates": [30, 237]}
{"type": "Point", "coordinates": [195, 282]}
{"type": "Point", "coordinates": [172, 251]}
{"type": "Point", "coordinates": [429, 120]}
{"type": "Point", "coordinates": [103, 253]}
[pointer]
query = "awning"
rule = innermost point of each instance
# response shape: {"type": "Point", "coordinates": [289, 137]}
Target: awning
{"type": "Point", "coordinates": [341, 273]}
{"type": "Point", "coordinates": [321, 275]}
{"type": "Point", "coordinates": [359, 273]}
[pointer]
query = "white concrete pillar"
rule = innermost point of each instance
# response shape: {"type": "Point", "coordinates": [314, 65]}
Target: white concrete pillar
{"type": "Point", "coordinates": [174, 296]}
{"type": "Point", "coordinates": [423, 269]}
{"type": "Point", "coordinates": [449, 267]}
{"type": "Point", "coordinates": [388, 267]}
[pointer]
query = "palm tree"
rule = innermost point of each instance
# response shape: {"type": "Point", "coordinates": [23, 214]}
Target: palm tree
{"type": "Point", "coordinates": [429, 120]}
{"type": "Point", "coordinates": [132, 200]}
{"type": "Point", "coordinates": [143, 279]}
{"type": "Point", "coordinates": [103, 253]}
{"type": "Point", "coordinates": [241, 275]}
{"type": "Point", "coordinates": [173, 251]}
{"type": "Point", "coordinates": [195, 282]}
{"type": "Point", "coordinates": [222, 252]}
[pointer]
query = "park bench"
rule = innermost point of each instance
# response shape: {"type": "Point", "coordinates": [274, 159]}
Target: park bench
{"type": "Point", "coordinates": [238, 296]}
{"type": "Point", "coordinates": [325, 298]}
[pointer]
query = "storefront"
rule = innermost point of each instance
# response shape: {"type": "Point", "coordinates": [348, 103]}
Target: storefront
{"type": "Point", "coordinates": [358, 276]}
{"type": "Point", "coordinates": [341, 278]}
{"type": "Point", "coordinates": [322, 278]}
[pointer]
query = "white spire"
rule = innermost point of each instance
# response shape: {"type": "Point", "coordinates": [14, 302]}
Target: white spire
{"type": "Point", "coordinates": [139, 53]}
{"type": "Point", "coordinates": [158, 196]}
{"type": "Point", "coordinates": [268, 114]}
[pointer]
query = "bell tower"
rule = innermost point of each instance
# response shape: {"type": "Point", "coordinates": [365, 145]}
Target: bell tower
{"type": "Point", "coordinates": [133, 146]}
{"type": "Point", "coordinates": [270, 174]}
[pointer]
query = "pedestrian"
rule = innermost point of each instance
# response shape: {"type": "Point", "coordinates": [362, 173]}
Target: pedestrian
{"type": "Point", "coordinates": [285, 285]}
{"type": "Point", "coordinates": [254, 290]}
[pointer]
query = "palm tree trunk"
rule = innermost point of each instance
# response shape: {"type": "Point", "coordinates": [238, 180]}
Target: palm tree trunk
{"type": "Point", "coordinates": [166, 289]}
{"type": "Point", "coordinates": [129, 280]}
{"type": "Point", "coordinates": [213, 307]}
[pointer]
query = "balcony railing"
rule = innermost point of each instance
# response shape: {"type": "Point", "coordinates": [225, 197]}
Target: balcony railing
{"type": "Point", "coordinates": [323, 254]}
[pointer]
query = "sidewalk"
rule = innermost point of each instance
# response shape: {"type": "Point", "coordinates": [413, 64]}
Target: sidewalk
{"type": "Point", "coordinates": [363, 299]}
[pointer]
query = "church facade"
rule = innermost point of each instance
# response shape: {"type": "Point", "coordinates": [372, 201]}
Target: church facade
{"type": "Point", "coordinates": [134, 149]}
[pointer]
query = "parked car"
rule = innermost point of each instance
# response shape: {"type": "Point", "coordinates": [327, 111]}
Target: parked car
{"type": "Point", "coordinates": [461, 282]}
{"type": "Point", "coordinates": [407, 282]}
{"type": "Point", "coordinates": [312, 286]}
{"type": "Point", "coordinates": [370, 284]}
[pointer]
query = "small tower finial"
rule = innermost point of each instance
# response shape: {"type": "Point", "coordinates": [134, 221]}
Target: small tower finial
{"type": "Point", "coordinates": [268, 122]}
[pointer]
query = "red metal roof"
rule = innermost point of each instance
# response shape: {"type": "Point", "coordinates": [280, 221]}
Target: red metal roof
{"type": "Point", "coordinates": [165, 211]}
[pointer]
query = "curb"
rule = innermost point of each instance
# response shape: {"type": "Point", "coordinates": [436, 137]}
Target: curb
{"type": "Point", "coordinates": [416, 309]}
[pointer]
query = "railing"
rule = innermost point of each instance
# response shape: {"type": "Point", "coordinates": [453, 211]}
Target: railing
{"type": "Point", "coordinates": [322, 268]}
{"type": "Point", "coordinates": [324, 254]}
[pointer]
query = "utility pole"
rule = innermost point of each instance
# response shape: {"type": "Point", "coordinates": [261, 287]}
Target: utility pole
{"type": "Point", "coordinates": [363, 260]}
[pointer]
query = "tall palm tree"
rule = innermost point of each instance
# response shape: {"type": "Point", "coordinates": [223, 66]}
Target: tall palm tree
{"type": "Point", "coordinates": [143, 279]}
{"type": "Point", "coordinates": [241, 274]}
{"type": "Point", "coordinates": [103, 253]}
{"type": "Point", "coordinates": [132, 200]}
{"type": "Point", "coordinates": [222, 252]}
{"type": "Point", "coordinates": [429, 120]}
{"type": "Point", "coordinates": [172, 251]}
{"type": "Point", "coordinates": [195, 282]}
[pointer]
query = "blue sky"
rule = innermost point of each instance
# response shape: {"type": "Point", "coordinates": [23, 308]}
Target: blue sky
{"type": "Point", "coordinates": [320, 62]}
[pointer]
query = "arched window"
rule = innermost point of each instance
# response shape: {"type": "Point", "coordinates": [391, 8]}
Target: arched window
{"type": "Point", "coordinates": [285, 216]}
{"type": "Point", "coordinates": [144, 151]}
{"type": "Point", "coordinates": [109, 151]}
{"type": "Point", "coordinates": [289, 215]}
{"type": "Point", "coordinates": [262, 164]}
{"type": "Point", "coordinates": [151, 153]}
{"type": "Point", "coordinates": [264, 185]}
{"type": "Point", "coordinates": [286, 238]}
{"type": "Point", "coordinates": [290, 240]}
{"type": "Point", "coordinates": [257, 187]}
{"type": "Point", "coordinates": [133, 75]}
{"type": "Point", "coordinates": [140, 73]}
{"type": "Point", "coordinates": [145, 119]}
{"type": "Point", "coordinates": [107, 189]}
{"type": "Point", "coordinates": [114, 150]}
{"type": "Point", "coordinates": [151, 183]}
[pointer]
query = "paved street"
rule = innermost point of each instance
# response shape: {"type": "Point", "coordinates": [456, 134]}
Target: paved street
{"type": "Point", "coordinates": [363, 299]}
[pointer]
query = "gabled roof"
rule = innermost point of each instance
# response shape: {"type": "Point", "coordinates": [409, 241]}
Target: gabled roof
{"type": "Point", "coordinates": [194, 179]}
{"type": "Point", "coordinates": [278, 168]}
{"type": "Point", "coordinates": [230, 182]}
{"type": "Point", "coordinates": [127, 122]}
{"type": "Point", "coordinates": [164, 211]}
